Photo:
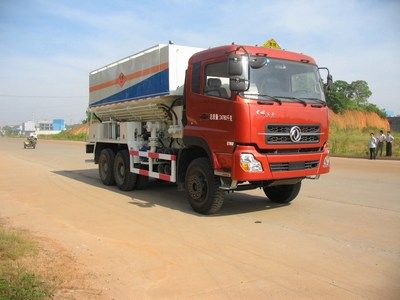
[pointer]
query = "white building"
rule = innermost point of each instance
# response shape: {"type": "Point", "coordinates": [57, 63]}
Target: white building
{"type": "Point", "coordinates": [28, 126]}
{"type": "Point", "coordinates": [45, 126]}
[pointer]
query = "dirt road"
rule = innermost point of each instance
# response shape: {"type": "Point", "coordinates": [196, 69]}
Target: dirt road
{"type": "Point", "coordinates": [339, 239]}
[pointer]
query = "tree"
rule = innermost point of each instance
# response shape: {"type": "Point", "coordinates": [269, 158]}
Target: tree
{"type": "Point", "coordinates": [354, 96]}
{"type": "Point", "coordinates": [339, 96]}
{"type": "Point", "coordinates": [344, 96]}
{"type": "Point", "coordinates": [337, 101]}
{"type": "Point", "coordinates": [342, 87]}
{"type": "Point", "coordinates": [359, 92]}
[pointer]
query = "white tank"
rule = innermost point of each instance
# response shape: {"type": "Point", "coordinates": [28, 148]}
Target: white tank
{"type": "Point", "coordinates": [137, 87]}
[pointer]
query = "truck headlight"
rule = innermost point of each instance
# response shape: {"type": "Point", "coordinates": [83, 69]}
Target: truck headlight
{"type": "Point", "coordinates": [249, 164]}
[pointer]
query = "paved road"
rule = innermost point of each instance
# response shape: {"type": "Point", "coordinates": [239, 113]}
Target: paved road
{"type": "Point", "coordinates": [339, 239]}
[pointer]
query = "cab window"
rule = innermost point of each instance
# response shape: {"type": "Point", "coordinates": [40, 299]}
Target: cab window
{"type": "Point", "coordinates": [196, 78]}
{"type": "Point", "coordinates": [216, 80]}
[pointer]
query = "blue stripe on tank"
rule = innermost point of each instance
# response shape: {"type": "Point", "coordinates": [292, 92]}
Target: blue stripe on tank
{"type": "Point", "coordinates": [155, 85]}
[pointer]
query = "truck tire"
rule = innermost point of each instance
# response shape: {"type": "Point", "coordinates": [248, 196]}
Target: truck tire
{"type": "Point", "coordinates": [202, 187]}
{"type": "Point", "coordinates": [141, 182]}
{"type": "Point", "coordinates": [106, 166]}
{"type": "Point", "coordinates": [125, 180]}
{"type": "Point", "coordinates": [282, 193]}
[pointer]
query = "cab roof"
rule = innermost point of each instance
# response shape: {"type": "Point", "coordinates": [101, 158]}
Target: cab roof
{"type": "Point", "coordinates": [222, 51]}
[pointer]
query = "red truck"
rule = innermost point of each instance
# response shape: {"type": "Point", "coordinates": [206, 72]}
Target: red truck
{"type": "Point", "coordinates": [219, 120]}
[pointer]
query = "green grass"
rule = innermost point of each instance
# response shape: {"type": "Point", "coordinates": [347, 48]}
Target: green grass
{"type": "Point", "coordinates": [14, 245]}
{"type": "Point", "coordinates": [354, 142]}
{"type": "Point", "coordinates": [16, 281]}
{"type": "Point", "coordinates": [65, 135]}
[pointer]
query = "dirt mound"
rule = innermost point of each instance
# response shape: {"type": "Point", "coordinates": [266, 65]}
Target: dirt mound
{"type": "Point", "coordinates": [78, 129]}
{"type": "Point", "coordinates": [357, 120]}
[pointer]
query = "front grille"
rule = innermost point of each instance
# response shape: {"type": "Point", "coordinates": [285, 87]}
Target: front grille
{"type": "Point", "coordinates": [280, 134]}
{"type": "Point", "coordinates": [285, 128]}
{"type": "Point", "coordinates": [293, 166]}
{"type": "Point", "coordinates": [286, 139]}
{"type": "Point", "coordinates": [292, 151]}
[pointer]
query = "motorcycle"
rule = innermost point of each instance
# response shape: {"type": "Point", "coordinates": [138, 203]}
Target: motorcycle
{"type": "Point", "coordinates": [30, 143]}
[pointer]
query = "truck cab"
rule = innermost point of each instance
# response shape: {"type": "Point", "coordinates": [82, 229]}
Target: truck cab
{"type": "Point", "coordinates": [261, 116]}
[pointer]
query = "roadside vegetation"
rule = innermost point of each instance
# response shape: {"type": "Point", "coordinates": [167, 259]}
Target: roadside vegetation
{"type": "Point", "coordinates": [65, 135]}
{"type": "Point", "coordinates": [354, 142]}
{"type": "Point", "coordinates": [353, 118]}
{"type": "Point", "coordinates": [17, 280]}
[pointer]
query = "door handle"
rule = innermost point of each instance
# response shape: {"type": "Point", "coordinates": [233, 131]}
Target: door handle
{"type": "Point", "coordinates": [204, 116]}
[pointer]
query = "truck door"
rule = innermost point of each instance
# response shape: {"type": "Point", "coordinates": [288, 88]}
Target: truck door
{"type": "Point", "coordinates": [209, 107]}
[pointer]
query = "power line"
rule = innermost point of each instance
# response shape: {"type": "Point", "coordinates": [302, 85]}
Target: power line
{"type": "Point", "coordinates": [50, 97]}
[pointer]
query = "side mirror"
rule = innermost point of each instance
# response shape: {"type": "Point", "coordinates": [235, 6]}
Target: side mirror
{"type": "Point", "coordinates": [329, 80]}
{"type": "Point", "coordinates": [237, 84]}
{"type": "Point", "coordinates": [257, 62]}
{"type": "Point", "coordinates": [235, 66]}
{"type": "Point", "coordinates": [238, 70]}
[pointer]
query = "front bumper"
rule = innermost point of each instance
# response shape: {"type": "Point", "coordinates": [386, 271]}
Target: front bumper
{"type": "Point", "coordinates": [281, 166]}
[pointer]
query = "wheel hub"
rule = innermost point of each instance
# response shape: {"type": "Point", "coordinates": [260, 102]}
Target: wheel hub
{"type": "Point", "coordinates": [104, 165]}
{"type": "Point", "coordinates": [121, 170]}
{"type": "Point", "coordinates": [196, 187]}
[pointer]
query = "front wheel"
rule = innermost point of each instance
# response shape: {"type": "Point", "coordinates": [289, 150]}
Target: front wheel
{"type": "Point", "coordinates": [202, 187]}
{"type": "Point", "coordinates": [282, 193]}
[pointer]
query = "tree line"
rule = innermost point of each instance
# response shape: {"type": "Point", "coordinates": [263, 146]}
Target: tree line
{"type": "Point", "coordinates": [344, 96]}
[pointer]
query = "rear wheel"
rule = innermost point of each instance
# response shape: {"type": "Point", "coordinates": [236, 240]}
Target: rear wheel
{"type": "Point", "coordinates": [106, 166]}
{"type": "Point", "coordinates": [282, 193]}
{"type": "Point", "coordinates": [202, 187]}
{"type": "Point", "coordinates": [124, 179]}
{"type": "Point", "coordinates": [142, 182]}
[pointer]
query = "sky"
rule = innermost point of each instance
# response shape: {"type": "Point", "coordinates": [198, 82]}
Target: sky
{"type": "Point", "coordinates": [47, 48]}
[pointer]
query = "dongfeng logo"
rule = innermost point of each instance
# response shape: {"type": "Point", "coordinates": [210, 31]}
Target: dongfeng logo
{"type": "Point", "coordinates": [295, 134]}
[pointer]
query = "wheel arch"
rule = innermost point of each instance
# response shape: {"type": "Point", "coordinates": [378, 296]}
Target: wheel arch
{"type": "Point", "coordinates": [185, 157]}
{"type": "Point", "coordinates": [115, 147]}
{"type": "Point", "coordinates": [195, 147]}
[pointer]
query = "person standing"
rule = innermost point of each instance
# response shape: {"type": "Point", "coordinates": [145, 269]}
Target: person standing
{"type": "Point", "coordinates": [372, 146]}
{"type": "Point", "coordinates": [389, 143]}
{"type": "Point", "coordinates": [381, 139]}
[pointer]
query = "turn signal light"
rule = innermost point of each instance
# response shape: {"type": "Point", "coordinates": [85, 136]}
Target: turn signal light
{"type": "Point", "coordinates": [249, 163]}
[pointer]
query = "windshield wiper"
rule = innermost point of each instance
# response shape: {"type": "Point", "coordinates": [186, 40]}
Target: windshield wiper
{"type": "Point", "coordinates": [294, 98]}
{"type": "Point", "coordinates": [322, 102]}
{"type": "Point", "coordinates": [265, 96]}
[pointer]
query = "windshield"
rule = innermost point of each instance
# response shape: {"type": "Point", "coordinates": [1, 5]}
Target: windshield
{"type": "Point", "coordinates": [285, 79]}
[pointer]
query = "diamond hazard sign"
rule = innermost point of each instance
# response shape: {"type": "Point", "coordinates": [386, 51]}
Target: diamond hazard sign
{"type": "Point", "coordinates": [121, 79]}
